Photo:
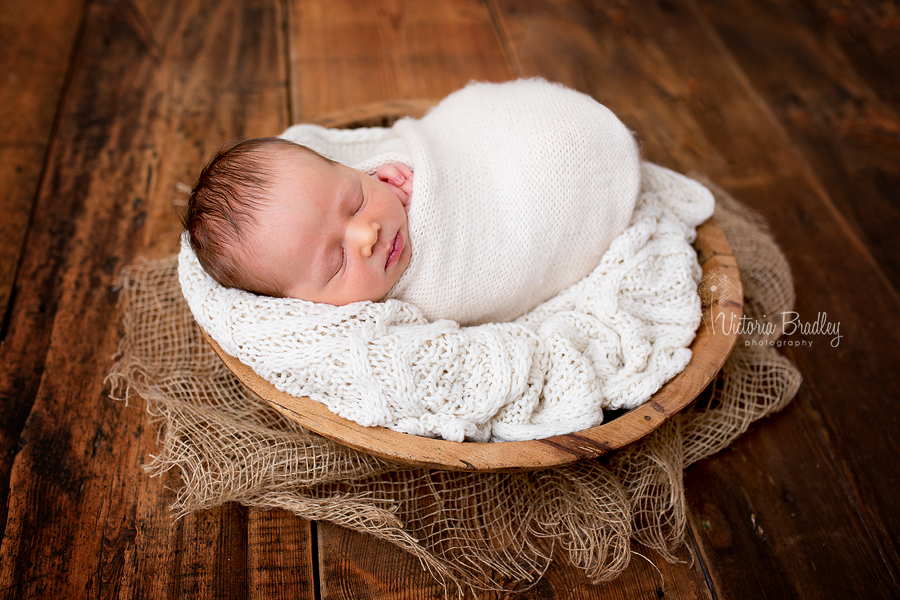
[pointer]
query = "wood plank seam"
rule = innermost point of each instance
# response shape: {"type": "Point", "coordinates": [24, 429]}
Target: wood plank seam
{"type": "Point", "coordinates": [285, 7]}
{"type": "Point", "coordinates": [699, 559]}
{"type": "Point", "coordinates": [503, 35]}
{"type": "Point", "coordinates": [48, 152]}
{"type": "Point", "coordinates": [316, 567]}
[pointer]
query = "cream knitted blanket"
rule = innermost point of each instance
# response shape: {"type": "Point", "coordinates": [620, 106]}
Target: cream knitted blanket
{"type": "Point", "coordinates": [608, 341]}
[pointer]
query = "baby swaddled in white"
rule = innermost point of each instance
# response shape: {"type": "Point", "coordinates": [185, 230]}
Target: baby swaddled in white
{"type": "Point", "coordinates": [519, 189]}
{"type": "Point", "coordinates": [521, 223]}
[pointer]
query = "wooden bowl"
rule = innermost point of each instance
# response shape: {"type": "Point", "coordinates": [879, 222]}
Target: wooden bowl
{"type": "Point", "coordinates": [713, 343]}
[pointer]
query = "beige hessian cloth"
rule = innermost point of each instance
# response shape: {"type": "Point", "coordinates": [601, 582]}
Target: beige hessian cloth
{"type": "Point", "coordinates": [494, 531]}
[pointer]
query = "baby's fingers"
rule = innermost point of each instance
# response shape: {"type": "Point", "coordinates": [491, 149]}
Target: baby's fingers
{"type": "Point", "coordinates": [390, 173]}
{"type": "Point", "coordinates": [400, 176]}
{"type": "Point", "coordinates": [404, 170]}
{"type": "Point", "coordinates": [407, 185]}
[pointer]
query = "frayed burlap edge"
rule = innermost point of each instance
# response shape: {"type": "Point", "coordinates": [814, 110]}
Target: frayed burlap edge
{"type": "Point", "coordinates": [484, 531]}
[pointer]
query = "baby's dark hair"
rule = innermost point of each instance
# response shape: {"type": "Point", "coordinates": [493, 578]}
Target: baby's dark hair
{"type": "Point", "coordinates": [222, 206]}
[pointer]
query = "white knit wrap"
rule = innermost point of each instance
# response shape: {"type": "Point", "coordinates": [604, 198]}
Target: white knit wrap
{"type": "Point", "coordinates": [609, 340]}
{"type": "Point", "coordinates": [519, 189]}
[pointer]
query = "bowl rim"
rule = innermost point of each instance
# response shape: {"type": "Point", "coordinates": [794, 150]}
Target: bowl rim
{"type": "Point", "coordinates": [713, 342]}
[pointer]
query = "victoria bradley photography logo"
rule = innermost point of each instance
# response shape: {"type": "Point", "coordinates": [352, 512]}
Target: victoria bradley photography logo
{"type": "Point", "coordinates": [715, 287]}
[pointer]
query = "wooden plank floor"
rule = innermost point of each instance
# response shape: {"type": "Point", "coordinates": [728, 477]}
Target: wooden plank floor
{"type": "Point", "coordinates": [111, 108]}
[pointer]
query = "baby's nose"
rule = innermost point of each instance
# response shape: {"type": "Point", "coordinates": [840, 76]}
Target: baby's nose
{"type": "Point", "coordinates": [364, 235]}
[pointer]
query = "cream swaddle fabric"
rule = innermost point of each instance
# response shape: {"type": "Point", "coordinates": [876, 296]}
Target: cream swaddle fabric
{"type": "Point", "coordinates": [609, 340]}
{"type": "Point", "coordinates": [519, 189]}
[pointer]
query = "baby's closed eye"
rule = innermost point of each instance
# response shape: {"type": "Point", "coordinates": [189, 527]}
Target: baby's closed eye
{"type": "Point", "coordinates": [361, 200]}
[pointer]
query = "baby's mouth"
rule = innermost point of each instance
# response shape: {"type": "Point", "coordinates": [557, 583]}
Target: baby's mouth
{"type": "Point", "coordinates": [394, 253]}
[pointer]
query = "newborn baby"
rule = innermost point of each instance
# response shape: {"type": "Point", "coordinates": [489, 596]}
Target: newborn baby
{"type": "Point", "coordinates": [275, 218]}
{"type": "Point", "coordinates": [484, 237]}
{"type": "Point", "coordinates": [533, 270]}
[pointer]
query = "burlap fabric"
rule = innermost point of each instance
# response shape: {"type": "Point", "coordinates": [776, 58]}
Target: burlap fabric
{"type": "Point", "coordinates": [494, 531]}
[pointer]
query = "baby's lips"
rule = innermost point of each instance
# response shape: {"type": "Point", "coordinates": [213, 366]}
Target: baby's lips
{"type": "Point", "coordinates": [394, 251]}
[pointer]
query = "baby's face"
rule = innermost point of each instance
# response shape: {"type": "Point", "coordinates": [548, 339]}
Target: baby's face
{"type": "Point", "coordinates": [332, 234]}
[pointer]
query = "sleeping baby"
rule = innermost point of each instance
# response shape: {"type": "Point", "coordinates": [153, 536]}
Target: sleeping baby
{"type": "Point", "coordinates": [479, 239]}
{"type": "Point", "coordinates": [504, 268]}
{"type": "Point", "coordinates": [275, 218]}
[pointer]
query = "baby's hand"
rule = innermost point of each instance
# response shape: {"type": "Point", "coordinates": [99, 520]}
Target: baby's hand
{"type": "Point", "coordinates": [398, 176]}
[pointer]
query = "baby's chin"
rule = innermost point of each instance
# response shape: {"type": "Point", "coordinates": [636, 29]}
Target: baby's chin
{"type": "Point", "coordinates": [400, 266]}
{"type": "Point", "coordinates": [362, 297]}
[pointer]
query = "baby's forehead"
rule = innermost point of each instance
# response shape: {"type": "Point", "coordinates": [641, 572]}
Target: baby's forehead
{"type": "Point", "coordinates": [298, 159]}
{"type": "Point", "coordinates": [277, 153]}
{"type": "Point", "coordinates": [307, 179]}
{"type": "Point", "coordinates": [283, 165]}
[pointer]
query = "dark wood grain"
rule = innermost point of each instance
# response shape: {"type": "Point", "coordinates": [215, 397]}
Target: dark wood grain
{"type": "Point", "coordinates": [280, 561]}
{"type": "Point", "coordinates": [749, 506]}
{"type": "Point", "coordinates": [35, 54]}
{"type": "Point", "coordinates": [346, 53]}
{"type": "Point", "coordinates": [59, 528]}
{"type": "Point", "coordinates": [83, 518]}
{"type": "Point", "coordinates": [847, 135]}
{"type": "Point", "coordinates": [357, 566]}
{"type": "Point", "coordinates": [364, 568]}
{"type": "Point", "coordinates": [868, 33]}
{"type": "Point", "coordinates": [111, 107]}
{"type": "Point", "coordinates": [823, 238]}
{"type": "Point", "coordinates": [821, 246]}
{"type": "Point", "coordinates": [150, 552]}
{"type": "Point", "coordinates": [34, 57]}
{"type": "Point", "coordinates": [214, 560]}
